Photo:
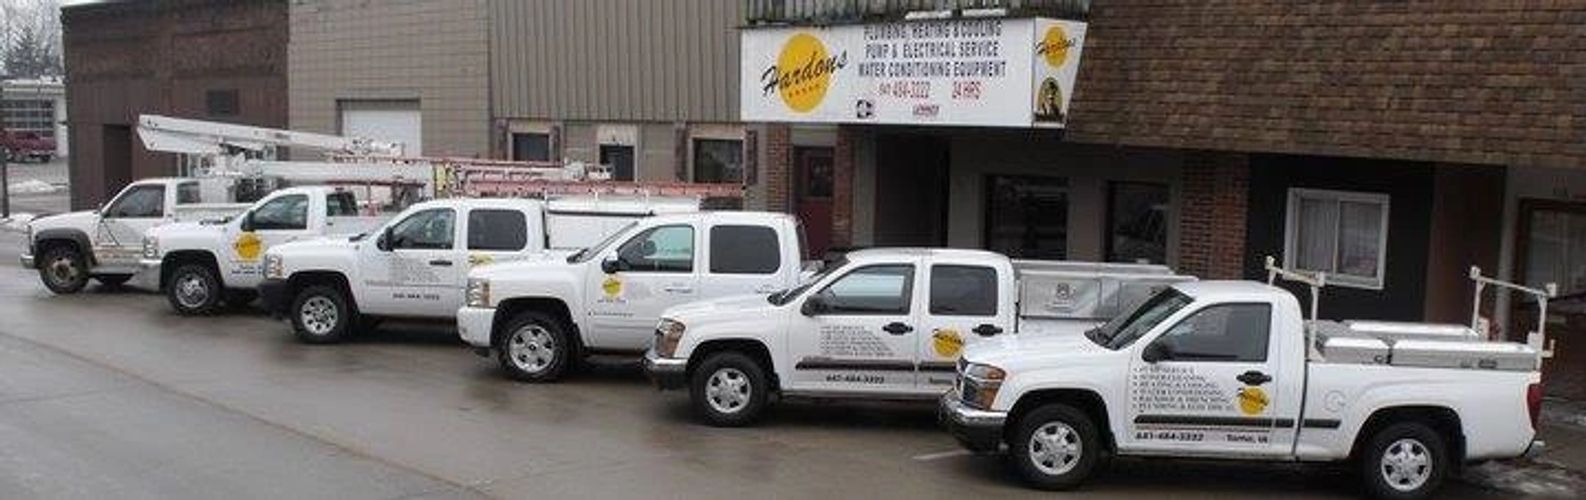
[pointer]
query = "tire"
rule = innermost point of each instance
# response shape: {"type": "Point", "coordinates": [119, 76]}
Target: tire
{"type": "Point", "coordinates": [535, 347]}
{"type": "Point", "coordinates": [1037, 456]}
{"type": "Point", "coordinates": [64, 269]}
{"type": "Point", "coordinates": [729, 389]}
{"type": "Point", "coordinates": [113, 280]}
{"type": "Point", "coordinates": [1406, 460]}
{"type": "Point", "coordinates": [194, 290]}
{"type": "Point", "coordinates": [321, 314]}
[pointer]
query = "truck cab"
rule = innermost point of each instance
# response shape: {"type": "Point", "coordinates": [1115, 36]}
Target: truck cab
{"type": "Point", "coordinates": [541, 315]}
{"type": "Point", "coordinates": [202, 264]}
{"type": "Point", "coordinates": [107, 243]}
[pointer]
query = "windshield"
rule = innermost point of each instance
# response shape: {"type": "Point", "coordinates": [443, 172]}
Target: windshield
{"type": "Point", "coordinates": [785, 296]}
{"type": "Point", "coordinates": [584, 255]}
{"type": "Point", "coordinates": [1125, 328]}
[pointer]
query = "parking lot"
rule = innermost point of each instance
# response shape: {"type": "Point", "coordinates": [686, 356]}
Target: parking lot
{"type": "Point", "coordinates": [109, 393]}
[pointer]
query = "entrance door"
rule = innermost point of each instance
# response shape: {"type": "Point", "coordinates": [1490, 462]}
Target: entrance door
{"type": "Point", "coordinates": [911, 190]}
{"type": "Point", "coordinates": [812, 167]}
{"type": "Point", "coordinates": [1552, 249]}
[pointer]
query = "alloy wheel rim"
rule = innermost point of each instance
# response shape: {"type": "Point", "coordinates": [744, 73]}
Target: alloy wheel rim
{"type": "Point", "coordinates": [192, 291]}
{"type": "Point", "coordinates": [62, 270]}
{"type": "Point", "coordinates": [1055, 448]}
{"type": "Point", "coordinates": [1406, 465]}
{"type": "Point", "coordinates": [318, 315]}
{"type": "Point", "coordinates": [532, 349]}
{"type": "Point", "coordinates": [728, 390]}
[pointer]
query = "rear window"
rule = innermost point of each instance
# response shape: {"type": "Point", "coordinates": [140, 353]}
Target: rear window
{"type": "Point", "coordinates": [497, 230]}
{"type": "Point", "coordinates": [340, 205]}
{"type": "Point", "coordinates": [744, 250]}
{"type": "Point", "coordinates": [187, 193]}
{"type": "Point", "coordinates": [963, 291]}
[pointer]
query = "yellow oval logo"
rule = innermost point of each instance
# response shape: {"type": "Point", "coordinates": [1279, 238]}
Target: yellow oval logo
{"type": "Point", "coordinates": [1252, 400]}
{"type": "Point", "coordinates": [803, 72]}
{"type": "Point", "coordinates": [248, 246]}
{"type": "Point", "coordinates": [1054, 46]}
{"type": "Point", "coordinates": [947, 343]}
{"type": "Point", "coordinates": [612, 286]}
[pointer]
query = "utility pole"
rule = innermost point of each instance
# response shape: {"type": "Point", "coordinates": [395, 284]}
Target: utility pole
{"type": "Point", "coordinates": [5, 153]}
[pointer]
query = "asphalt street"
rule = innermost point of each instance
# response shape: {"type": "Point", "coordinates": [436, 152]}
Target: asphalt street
{"type": "Point", "coordinates": [109, 394]}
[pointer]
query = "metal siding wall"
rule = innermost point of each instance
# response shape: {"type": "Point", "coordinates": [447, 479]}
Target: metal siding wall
{"type": "Point", "coordinates": [615, 60]}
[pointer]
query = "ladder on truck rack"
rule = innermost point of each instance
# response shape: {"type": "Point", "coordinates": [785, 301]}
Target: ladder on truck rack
{"type": "Point", "coordinates": [480, 178]}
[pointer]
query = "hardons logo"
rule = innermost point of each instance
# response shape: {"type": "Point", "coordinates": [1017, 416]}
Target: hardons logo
{"type": "Point", "coordinates": [803, 72]}
{"type": "Point", "coordinates": [1252, 400]}
{"type": "Point", "coordinates": [1054, 45]}
{"type": "Point", "coordinates": [248, 246]}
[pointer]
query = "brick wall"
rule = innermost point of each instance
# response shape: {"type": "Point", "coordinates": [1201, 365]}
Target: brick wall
{"type": "Point", "coordinates": [843, 187]}
{"type": "Point", "coordinates": [777, 171]}
{"type": "Point", "coordinates": [1494, 83]}
{"type": "Point", "coordinates": [1212, 227]}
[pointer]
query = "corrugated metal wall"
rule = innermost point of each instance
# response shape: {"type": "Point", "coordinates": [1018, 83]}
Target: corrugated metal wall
{"type": "Point", "coordinates": [615, 60]}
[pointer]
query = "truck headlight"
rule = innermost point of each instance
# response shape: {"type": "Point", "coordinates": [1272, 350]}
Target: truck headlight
{"type": "Point", "coordinates": [667, 336]}
{"type": "Point", "coordinates": [478, 292]}
{"type": "Point", "coordinates": [151, 247]}
{"type": "Point", "coordinates": [979, 383]}
{"type": "Point", "coordinates": [272, 267]}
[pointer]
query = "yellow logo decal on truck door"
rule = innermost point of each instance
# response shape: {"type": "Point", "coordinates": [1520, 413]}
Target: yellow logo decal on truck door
{"type": "Point", "coordinates": [612, 286]}
{"type": "Point", "coordinates": [248, 246]}
{"type": "Point", "coordinates": [1252, 400]}
{"type": "Point", "coordinates": [947, 343]}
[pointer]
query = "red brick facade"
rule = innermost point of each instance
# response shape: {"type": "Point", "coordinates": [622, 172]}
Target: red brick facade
{"type": "Point", "coordinates": [843, 188]}
{"type": "Point", "coordinates": [778, 171]}
{"type": "Point", "coordinates": [1212, 228]}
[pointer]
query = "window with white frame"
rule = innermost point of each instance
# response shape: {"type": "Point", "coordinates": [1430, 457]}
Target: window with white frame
{"type": "Point", "coordinates": [1341, 233]}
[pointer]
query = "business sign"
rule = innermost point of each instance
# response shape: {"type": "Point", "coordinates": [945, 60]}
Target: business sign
{"type": "Point", "coordinates": [973, 72]}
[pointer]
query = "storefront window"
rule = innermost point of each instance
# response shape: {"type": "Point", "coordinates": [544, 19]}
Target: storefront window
{"type": "Point", "coordinates": [1137, 222]}
{"type": "Point", "coordinates": [718, 161]}
{"type": "Point", "coordinates": [620, 159]}
{"type": "Point", "coordinates": [1341, 233]}
{"type": "Point", "coordinates": [531, 147]}
{"type": "Point", "coordinates": [1027, 216]}
{"type": "Point", "coordinates": [1555, 250]}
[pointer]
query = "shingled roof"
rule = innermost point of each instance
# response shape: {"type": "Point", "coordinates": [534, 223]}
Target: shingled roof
{"type": "Point", "coordinates": [1500, 83]}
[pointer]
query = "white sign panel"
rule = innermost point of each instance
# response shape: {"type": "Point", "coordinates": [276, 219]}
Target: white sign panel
{"type": "Point", "coordinates": [975, 72]}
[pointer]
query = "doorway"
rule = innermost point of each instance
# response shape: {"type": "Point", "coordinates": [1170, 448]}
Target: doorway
{"type": "Point", "coordinates": [911, 190]}
{"type": "Point", "coordinates": [812, 168]}
{"type": "Point", "coordinates": [1552, 249]}
{"type": "Point", "coordinates": [116, 146]}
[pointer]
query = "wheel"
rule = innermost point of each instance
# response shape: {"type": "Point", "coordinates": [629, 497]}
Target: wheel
{"type": "Point", "coordinates": [729, 389]}
{"type": "Point", "coordinates": [193, 290]}
{"type": "Point", "coordinates": [1055, 447]}
{"type": "Point", "coordinates": [64, 269]}
{"type": "Point", "coordinates": [535, 347]}
{"type": "Point", "coordinates": [113, 280]}
{"type": "Point", "coordinates": [1405, 460]}
{"type": "Point", "coordinates": [321, 314]}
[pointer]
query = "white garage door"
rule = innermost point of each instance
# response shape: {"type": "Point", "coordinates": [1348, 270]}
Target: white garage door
{"type": "Point", "coordinates": [395, 121]}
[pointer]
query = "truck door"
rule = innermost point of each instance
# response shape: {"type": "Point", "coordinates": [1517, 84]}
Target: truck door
{"type": "Point", "coordinates": [857, 332]}
{"type": "Point", "coordinates": [656, 269]}
{"type": "Point", "coordinates": [416, 273]}
{"type": "Point", "coordinates": [1209, 385]}
{"type": "Point", "coordinates": [118, 241]}
{"type": "Point", "coordinates": [276, 221]}
{"type": "Point", "coordinates": [966, 305]}
{"type": "Point", "coordinates": [744, 259]}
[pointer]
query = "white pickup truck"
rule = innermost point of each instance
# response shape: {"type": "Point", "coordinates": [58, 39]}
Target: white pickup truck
{"type": "Point", "coordinates": [540, 316]}
{"type": "Point", "coordinates": [201, 264]}
{"type": "Point", "coordinates": [1231, 370]}
{"type": "Point", "coordinates": [416, 265]}
{"type": "Point", "coordinates": [106, 244]}
{"type": "Point", "coordinates": [879, 324]}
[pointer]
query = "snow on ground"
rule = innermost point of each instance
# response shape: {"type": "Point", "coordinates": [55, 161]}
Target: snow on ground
{"type": "Point", "coordinates": [1527, 477]}
{"type": "Point", "coordinates": [33, 186]}
{"type": "Point", "coordinates": [18, 222]}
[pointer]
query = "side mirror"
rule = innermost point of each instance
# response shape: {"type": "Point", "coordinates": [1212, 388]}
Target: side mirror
{"type": "Point", "coordinates": [815, 304]}
{"type": "Point", "coordinates": [384, 241]}
{"type": "Point", "coordinates": [247, 222]}
{"type": "Point", "coordinates": [1156, 351]}
{"type": "Point", "coordinates": [612, 265]}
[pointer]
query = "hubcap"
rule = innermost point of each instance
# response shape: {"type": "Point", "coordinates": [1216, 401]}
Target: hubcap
{"type": "Point", "coordinates": [531, 348]}
{"type": "Point", "coordinates": [727, 390]}
{"type": "Point", "coordinates": [192, 291]}
{"type": "Point", "coordinates": [1406, 465]}
{"type": "Point", "coordinates": [318, 315]}
{"type": "Point", "coordinates": [1055, 448]}
{"type": "Point", "coordinates": [63, 270]}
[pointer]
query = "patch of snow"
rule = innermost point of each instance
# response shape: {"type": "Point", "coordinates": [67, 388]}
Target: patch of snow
{"type": "Point", "coordinates": [18, 222]}
{"type": "Point", "coordinates": [33, 186]}
{"type": "Point", "coordinates": [1526, 477]}
{"type": "Point", "coordinates": [1563, 412]}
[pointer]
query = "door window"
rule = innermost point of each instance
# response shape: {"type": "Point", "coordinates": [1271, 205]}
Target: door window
{"type": "Point", "coordinates": [139, 202]}
{"type": "Point", "coordinates": [340, 205]}
{"type": "Point", "coordinates": [284, 213]}
{"type": "Point", "coordinates": [497, 230]}
{"type": "Point", "coordinates": [744, 250]}
{"type": "Point", "coordinates": [427, 230]}
{"type": "Point", "coordinates": [878, 290]}
{"type": "Point", "coordinates": [1224, 332]}
{"type": "Point", "coordinates": [187, 193]}
{"type": "Point", "coordinates": [664, 249]}
{"type": "Point", "coordinates": [963, 291]}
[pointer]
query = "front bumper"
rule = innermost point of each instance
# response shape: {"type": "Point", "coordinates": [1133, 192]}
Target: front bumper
{"type": "Point", "coordinates": [28, 261]}
{"type": "Point", "coordinates": [273, 296]}
{"type": "Point", "coordinates": [474, 324]}
{"type": "Point", "coordinates": [978, 430]}
{"type": "Point", "coordinates": [665, 373]}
